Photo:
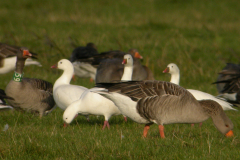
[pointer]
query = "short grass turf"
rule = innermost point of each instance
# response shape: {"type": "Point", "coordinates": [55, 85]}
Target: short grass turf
{"type": "Point", "coordinates": [199, 36]}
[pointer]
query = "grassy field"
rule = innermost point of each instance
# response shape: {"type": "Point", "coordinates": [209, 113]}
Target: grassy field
{"type": "Point", "coordinates": [199, 36]}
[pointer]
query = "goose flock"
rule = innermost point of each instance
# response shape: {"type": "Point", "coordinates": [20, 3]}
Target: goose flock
{"type": "Point", "coordinates": [123, 87]}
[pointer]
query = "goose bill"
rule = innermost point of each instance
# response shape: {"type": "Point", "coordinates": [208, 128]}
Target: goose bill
{"type": "Point", "coordinates": [166, 70]}
{"type": "Point", "coordinates": [124, 61]}
{"type": "Point", "coordinates": [229, 134]}
{"type": "Point", "coordinates": [26, 53]}
{"type": "Point", "coordinates": [137, 55]}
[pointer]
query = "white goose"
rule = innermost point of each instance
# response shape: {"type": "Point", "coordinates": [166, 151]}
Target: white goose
{"type": "Point", "coordinates": [63, 92]}
{"type": "Point", "coordinates": [199, 95]}
{"type": "Point", "coordinates": [94, 103]}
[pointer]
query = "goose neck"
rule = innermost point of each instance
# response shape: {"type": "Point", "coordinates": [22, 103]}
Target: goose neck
{"type": "Point", "coordinates": [65, 78]}
{"type": "Point", "coordinates": [175, 78]}
{"type": "Point", "coordinates": [127, 73]}
{"type": "Point", "coordinates": [20, 65]}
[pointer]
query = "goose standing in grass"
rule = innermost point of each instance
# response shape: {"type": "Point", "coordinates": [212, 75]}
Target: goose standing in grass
{"type": "Point", "coordinates": [3, 104]}
{"type": "Point", "coordinates": [8, 58]}
{"type": "Point", "coordinates": [65, 93]}
{"type": "Point", "coordinates": [29, 93]}
{"type": "Point", "coordinates": [228, 83]}
{"type": "Point", "coordinates": [162, 103]}
{"type": "Point", "coordinates": [199, 95]}
{"type": "Point", "coordinates": [84, 69]}
{"type": "Point", "coordinates": [94, 103]}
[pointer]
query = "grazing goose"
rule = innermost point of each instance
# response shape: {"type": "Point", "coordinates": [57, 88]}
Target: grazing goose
{"type": "Point", "coordinates": [229, 77]}
{"type": "Point", "coordinates": [29, 93]}
{"type": "Point", "coordinates": [95, 104]}
{"type": "Point", "coordinates": [8, 58]}
{"type": "Point", "coordinates": [3, 104]}
{"type": "Point", "coordinates": [112, 70]}
{"type": "Point", "coordinates": [199, 95]}
{"type": "Point", "coordinates": [63, 92]}
{"type": "Point", "coordinates": [162, 103]}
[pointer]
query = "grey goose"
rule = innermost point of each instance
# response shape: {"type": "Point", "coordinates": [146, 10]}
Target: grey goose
{"type": "Point", "coordinates": [28, 93]}
{"type": "Point", "coordinates": [8, 55]}
{"type": "Point", "coordinates": [162, 103]}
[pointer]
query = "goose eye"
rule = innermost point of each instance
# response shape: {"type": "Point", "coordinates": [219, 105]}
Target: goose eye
{"type": "Point", "coordinates": [172, 66]}
{"type": "Point", "coordinates": [66, 118]}
{"type": "Point", "coordinates": [60, 62]}
{"type": "Point", "coordinates": [226, 125]}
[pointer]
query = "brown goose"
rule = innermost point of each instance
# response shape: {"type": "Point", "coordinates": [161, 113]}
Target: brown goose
{"type": "Point", "coordinates": [8, 55]}
{"type": "Point", "coordinates": [29, 93]}
{"type": "Point", "coordinates": [163, 103]}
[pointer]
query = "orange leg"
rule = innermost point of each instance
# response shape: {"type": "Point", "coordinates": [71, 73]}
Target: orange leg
{"type": "Point", "coordinates": [145, 131]}
{"type": "Point", "coordinates": [161, 130]}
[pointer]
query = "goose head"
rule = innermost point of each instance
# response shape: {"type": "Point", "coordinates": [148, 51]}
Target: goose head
{"type": "Point", "coordinates": [172, 68]}
{"type": "Point", "coordinates": [92, 45]}
{"type": "Point", "coordinates": [219, 118]}
{"type": "Point", "coordinates": [23, 53]}
{"type": "Point", "coordinates": [135, 53]}
{"type": "Point", "coordinates": [74, 108]}
{"type": "Point", "coordinates": [63, 64]}
{"type": "Point", "coordinates": [70, 113]}
{"type": "Point", "coordinates": [127, 60]}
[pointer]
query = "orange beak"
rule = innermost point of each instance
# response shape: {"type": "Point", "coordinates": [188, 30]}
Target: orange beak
{"type": "Point", "coordinates": [137, 55]}
{"type": "Point", "coordinates": [54, 66]}
{"type": "Point", "coordinates": [26, 53]}
{"type": "Point", "coordinates": [166, 70]}
{"type": "Point", "coordinates": [229, 134]}
{"type": "Point", "coordinates": [124, 61]}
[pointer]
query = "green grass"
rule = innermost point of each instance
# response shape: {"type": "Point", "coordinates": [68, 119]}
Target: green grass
{"type": "Point", "coordinates": [199, 36]}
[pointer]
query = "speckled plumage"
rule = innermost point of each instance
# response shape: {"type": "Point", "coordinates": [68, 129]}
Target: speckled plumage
{"type": "Point", "coordinates": [164, 103]}
{"type": "Point", "coordinates": [29, 94]}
